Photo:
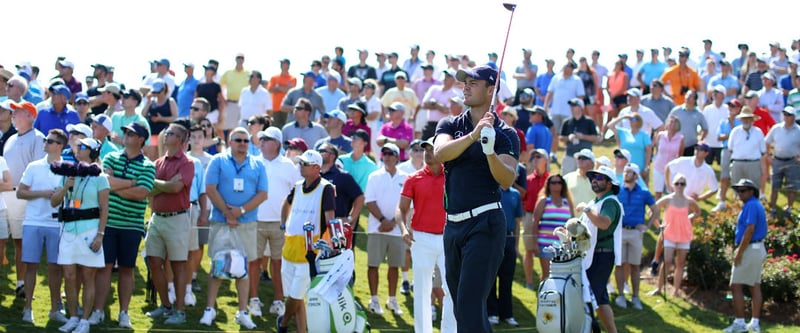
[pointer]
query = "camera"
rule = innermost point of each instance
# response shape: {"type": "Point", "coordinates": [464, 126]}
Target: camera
{"type": "Point", "coordinates": [684, 90]}
{"type": "Point", "coordinates": [69, 169]}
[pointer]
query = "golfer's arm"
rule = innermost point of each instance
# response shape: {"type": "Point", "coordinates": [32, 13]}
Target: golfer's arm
{"type": "Point", "coordinates": [503, 169]}
{"type": "Point", "coordinates": [447, 149]}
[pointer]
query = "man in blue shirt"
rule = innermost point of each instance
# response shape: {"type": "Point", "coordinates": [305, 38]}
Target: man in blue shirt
{"type": "Point", "coordinates": [543, 81]}
{"type": "Point", "coordinates": [748, 260]}
{"type": "Point", "coordinates": [539, 134]}
{"type": "Point", "coordinates": [634, 198]}
{"type": "Point", "coordinates": [58, 115]}
{"type": "Point", "coordinates": [236, 183]}
{"type": "Point", "coordinates": [650, 71]}
{"type": "Point", "coordinates": [186, 91]}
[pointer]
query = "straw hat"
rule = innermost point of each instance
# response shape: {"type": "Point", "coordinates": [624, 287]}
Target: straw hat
{"type": "Point", "coordinates": [747, 112]}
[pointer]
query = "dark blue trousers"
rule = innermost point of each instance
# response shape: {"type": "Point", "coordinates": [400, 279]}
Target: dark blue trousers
{"type": "Point", "coordinates": [499, 301]}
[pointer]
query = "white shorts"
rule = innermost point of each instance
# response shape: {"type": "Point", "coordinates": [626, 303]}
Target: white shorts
{"type": "Point", "coordinates": [15, 208]}
{"type": "Point", "coordinates": [3, 224]}
{"type": "Point", "coordinates": [679, 246]}
{"type": "Point", "coordinates": [295, 278]}
{"type": "Point", "coordinates": [659, 184]}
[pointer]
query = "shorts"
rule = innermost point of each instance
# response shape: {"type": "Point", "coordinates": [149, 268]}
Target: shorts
{"type": "Point", "coordinates": [749, 271]}
{"type": "Point", "coordinates": [632, 246]}
{"type": "Point", "coordinates": [598, 274]}
{"type": "Point", "coordinates": [619, 100]}
{"type": "Point", "coordinates": [213, 116]}
{"type": "Point", "coordinates": [725, 164]}
{"type": "Point", "coordinates": [714, 155]}
{"type": "Point", "coordinates": [15, 209]}
{"type": "Point", "coordinates": [679, 246]}
{"type": "Point", "coordinates": [232, 115]}
{"type": "Point", "coordinates": [168, 237]}
{"type": "Point", "coordinates": [270, 232]}
{"type": "Point", "coordinates": [194, 214]}
{"type": "Point", "coordinates": [785, 175]}
{"type": "Point", "coordinates": [746, 169]}
{"type": "Point", "coordinates": [246, 232]}
{"type": "Point", "coordinates": [659, 181]}
{"type": "Point", "coordinates": [4, 224]}
{"type": "Point", "coordinates": [528, 240]}
{"type": "Point", "coordinates": [380, 246]}
{"type": "Point", "coordinates": [37, 238]}
{"type": "Point", "coordinates": [121, 246]}
{"type": "Point", "coordinates": [74, 249]}
{"type": "Point", "coordinates": [296, 279]}
{"type": "Point", "coordinates": [421, 120]}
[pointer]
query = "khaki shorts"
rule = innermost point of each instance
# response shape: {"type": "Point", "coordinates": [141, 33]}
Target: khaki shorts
{"type": "Point", "coordinates": [749, 271]}
{"type": "Point", "coordinates": [15, 209]}
{"type": "Point", "coordinates": [380, 246]}
{"type": "Point", "coordinates": [246, 232]}
{"type": "Point", "coordinates": [194, 214]}
{"type": "Point", "coordinates": [232, 115]}
{"type": "Point", "coordinates": [632, 246]}
{"type": "Point", "coordinates": [270, 232]}
{"type": "Point", "coordinates": [168, 237]}
{"type": "Point", "coordinates": [528, 239]}
{"type": "Point", "coordinates": [295, 278]}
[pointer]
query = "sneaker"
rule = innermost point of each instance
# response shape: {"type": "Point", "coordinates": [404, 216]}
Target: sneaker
{"type": "Point", "coordinates": [189, 299]}
{"type": "Point", "coordinates": [277, 308]}
{"type": "Point", "coordinates": [511, 321]}
{"type": "Point", "coordinates": [255, 307]}
{"type": "Point", "coordinates": [433, 313]}
{"type": "Point", "coordinates": [196, 286]}
{"type": "Point", "coordinates": [720, 207]}
{"type": "Point", "coordinates": [70, 326]}
{"type": "Point", "coordinates": [58, 316]}
{"type": "Point", "coordinates": [97, 317]}
{"type": "Point", "coordinates": [171, 295]}
{"type": "Point", "coordinates": [375, 307]}
{"type": "Point", "coordinates": [27, 316]}
{"type": "Point", "coordinates": [625, 289]}
{"type": "Point", "coordinates": [753, 328]}
{"type": "Point", "coordinates": [391, 304]}
{"type": "Point", "coordinates": [610, 289]}
{"type": "Point", "coordinates": [637, 303]}
{"type": "Point", "coordinates": [405, 288]}
{"type": "Point", "coordinates": [621, 302]}
{"type": "Point", "coordinates": [20, 291]}
{"type": "Point", "coordinates": [654, 268]}
{"type": "Point", "coordinates": [177, 318]}
{"type": "Point", "coordinates": [243, 318]}
{"type": "Point", "coordinates": [60, 308]}
{"type": "Point", "coordinates": [160, 312]}
{"type": "Point", "coordinates": [124, 320]}
{"type": "Point", "coordinates": [208, 316]}
{"type": "Point", "coordinates": [494, 320]}
{"type": "Point", "coordinates": [83, 327]}
{"type": "Point", "coordinates": [736, 328]}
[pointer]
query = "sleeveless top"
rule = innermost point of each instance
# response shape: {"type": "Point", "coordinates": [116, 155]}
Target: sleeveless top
{"type": "Point", "coordinates": [678, 227]}
{"type": "Point", "coordinates": [667, 150]}
{"type": "Point", "coordinates": [588, 83]}
{"type": "Point", "coordinates": [552, 218]}
{"type": "Point", "coordinates": [161, 110]}
{"type": "Point", "coordinates": [305, 207]}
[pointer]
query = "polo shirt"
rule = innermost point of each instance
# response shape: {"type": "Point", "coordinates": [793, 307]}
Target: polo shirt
{"type": "Point", "coordinates": [234, 81]}
{"type": "Point", "coordinates": [765, 122]}
{"type": "Point", "coordinates": [295, 94]}
{"type": "Point", "coordinates": [752, 213]}
{"type": "Point", "coordinates": [725, 127]}
{"type": "Point", "coordinates": [621, 179]}
{"type": "Point", "coordinates": [405, 96]}
{"type": "Point", "coordinates": [186, 96]}
{"type": "Point", "coordinates": [107, 147]}
{"type": "Point", "coordinates": [124, 213]}
{"type": "Point", "coordinates": [347, 190]}
{"type": "Point", "coordinates": [535, 184]}
{"type": "Point", "coordinates": [541, 85]}
{"type": "Point", "coordinates": [283, 80]}
{"type": "Point", "coordinates": [564, 89]}
{"type": "Point", "coordinates": [74, 86]}
{"type": "Point", "coordinates": [636, 144]}
{"type": "Point", "coordinates": [793, 99]}
{"type": "Point", "coordinates": [728, 81]}
{"type": "Point", "coordinates": [168, 167]}
{"type": "Point", "coordinates": [120, 120]}
{"type": "Point", "coordinates": [20, 150]}
{"type": "Point", "coordinates": [223, 170]}
{"type": "Point", "coordinates": [580, 187]}
{"type": "Point", "coordinates": [426, 192]}
{"type": "Point", "coordinates": [330, 99]}
{"type": "Point", "coordinates": [422, 85]}
{"type": "Point", "coordinates": [384, 189]}
{"type": "Point", "coordinates": [612, 210]}
{"type": "Point", "coordinates": [210, 91]}
{"type": "Point", "coordinates": [344, 143]}
{"type": "Point", "coordinates": [678, 77]}
{"type": "Point", "coordinates": [785, 141]}
{"type": "Point", "coordinates": [254, 103]}
{"type": "Point", "coordinates": [661, 106]}
{"type": "Point", "coordinates": [311, 133]}
{"type": "Point", "coordinates": [282, 174]}
{"type": "Point", "coordinates": [512, 207]}
{"type": "Point", "coordinates": [441, 97]}
{"type": "Point", "coordinates": [48, 119]}
{"type": "Point", "coordinates": [651, 71]}
{"type": "Point", "coordinates": [689, 122]}
{"type": "Point", "coordinates": [634, 200]}
{"type": "Point", "coordinates": [584, 125]}
{"type": "Point", "coordinates": [198, 186]}
{"type": "Point", "coordinates": [468, 180]}
{"type": "Point", "coordinates": [359, 169]}
{"type": "Point", "coordinates": [771, 99]}
{"type": "Point", "coordinates": [714, 115]}
{"type": "Point", "coordinates": [697, 177]}
{"type": "Point", "coordinates": [345, 101]}
{"type": "Point", "coordinates": [525, 82]}
{"type": "Point", "coordinates": [402, 131]}
{"type": "Point", "coordinates": [539, 136]}
{"type": "Point", "coordinates": [746, 144]}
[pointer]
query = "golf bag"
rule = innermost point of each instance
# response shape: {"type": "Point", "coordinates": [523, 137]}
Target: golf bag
{"type": "Point", "coordinates": [561, 308]}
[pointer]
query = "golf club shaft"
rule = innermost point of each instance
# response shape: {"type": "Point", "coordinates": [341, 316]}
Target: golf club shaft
{"type": "Point", "coordinates": [502, 58]}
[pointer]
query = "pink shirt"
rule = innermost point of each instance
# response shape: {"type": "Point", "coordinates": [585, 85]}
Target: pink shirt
{"type": "Point", "coordinates": [668, 150]}
{"type": "Point", "coordinates": [403, 131]}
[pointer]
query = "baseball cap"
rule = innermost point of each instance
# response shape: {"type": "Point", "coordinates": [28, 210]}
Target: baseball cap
{"type": "Point", "coordinates": [632, 167]}
{"type": "Point", "coordinates": [576, 102]}
{"type": "Point", "coordinates": [158, 86]}
{"type": "Point", "coordinates": [450, 72]}
{"type": "Point", "coordinates": [61, 89]}
{"type": "Point", "coordinates": [80, 128]}
{"type": "Point", "coordinates": [720, 89]}
{"type": "Point", "coordinates": [635, 92]}
{"type": "Point", "coordinates": [286, 60]}
{"type": "Point", "coordinates": [355, 106]}
{"type": "Point", "coordinates": [603, 160]}
{"type": "Point", "coordinates": [27, 106]}
{"type": "Point", "coordinates": [91, 143]}
{"type": "Point", "coordinates": [703, 146]}
{"type": "Point", "coordinates": [137, 128]}
{"type": "Point", "coordinates": [311, 157]}
{"type": "Point", "coordinates": [271, 133]}
{"type": "Point", "coordinates": [751, 94]}
{"type": "Point", "coordinates": [332, 75]}
{"type": "Point", "coordinates": [361, 134]}
{"type": "Point", "coordinates": [310, 74]}
{"type": "Point", "coordinates": [355, 81]}
{"type": "Point", "coordinates": [111, 87]}
{"type": "Point", "coordinates": [81, 96]}
{"type": "Point", "coordinates": [426, 66]}
{"type": "Point", "coordinates": [397, 106]}
{"type": "Point", "coordinates": [540, 151]}
{"type": "Point", "coordinates": [400, 74]}
{"type": "Point", "coordinates": [707, 41]}
{"type": "Point", "coordinates": [103, 120]}
{"type": "Point", "coordinates": [66, 63]}
{"type": "Point", "coordinates": [163, 61]}
{"type": "Point", "coordinates": [390, 146]}
{"type": "Point", "coordinates": [735, 103]}
{"type": "Point", "coordinates": [527, 91]}
{"type": "Point", "coordinates": [790, 111]}
{"type": "Point", "coordinates": [492, 54]}
{"type": "Point", "coordinates": [416, 142]}
{"type": "Point", "coordinates": [510, 111]}
{"type": "Point", "coordinates": [536, 109]}
{"type": "Point", "coordinates": [485, 72]}
{"type": "Point", "coordinates": [427, 143]}
{"type": "Point", "coordinates": [768, 76]}
{"type": "Point", "coordinates": [6, 104]}
{"type": "Point", "coordinates": [298, 143]}
{"type": "Point", "coordinates": [605, 171]}
{"type": "Point", "coordinates": [188, 64]}
{"type": "Point", "coordinates": [585, 153]}
{"type": "Point", "coordinates": [624, 152]}
{"type": "Point", "coordinates": [336, 114]}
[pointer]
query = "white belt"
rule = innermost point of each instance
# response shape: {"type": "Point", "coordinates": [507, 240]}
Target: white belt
{"type": "Point", "coordinates": [460, 217]}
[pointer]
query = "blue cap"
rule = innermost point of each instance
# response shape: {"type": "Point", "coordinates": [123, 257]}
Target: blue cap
{"type": "Point", "coordinates": [485, 72]}
{"type": "Point", "coordinates": [61, 89]}
{"type": "Point", "coordinates": [163, 61]}
{"type": "Point", "coordinates": [137, 128]}
{"type": "Point", "coordinates": [24, 75]}
{"type": "Point", "coordinates": [158, 85]}
{"type": "Point", "coordinates": [311, 74]}
{"type": "Point", "coordinates": [336, 114]}
{"type": "Point", "coordinates": [81, 96]}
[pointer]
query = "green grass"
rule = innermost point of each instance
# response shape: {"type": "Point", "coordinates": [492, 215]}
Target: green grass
{"type": "Point", "coordinates": [672, 315]}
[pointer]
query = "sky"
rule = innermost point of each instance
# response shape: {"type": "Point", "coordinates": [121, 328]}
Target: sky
{"type": "Point", "coordinates": [124, 34]}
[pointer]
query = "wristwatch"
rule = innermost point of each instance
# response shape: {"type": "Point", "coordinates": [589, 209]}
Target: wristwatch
{"type": "Point", "coordinates": [241, 209]}
{"type": "Point", "coordinates": [587, 209]}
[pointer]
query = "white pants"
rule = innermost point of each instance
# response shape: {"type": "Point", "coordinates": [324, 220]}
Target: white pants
{"type": "Point", "coordinates": [427, 251]}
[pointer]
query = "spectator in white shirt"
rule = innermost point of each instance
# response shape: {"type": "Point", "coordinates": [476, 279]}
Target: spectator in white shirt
{"type": "Point", "coordinates": [254, 99]}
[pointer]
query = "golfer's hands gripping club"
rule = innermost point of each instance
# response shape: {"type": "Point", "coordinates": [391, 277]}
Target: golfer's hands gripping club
{"type": "Point", "coordinates": [487, 140]}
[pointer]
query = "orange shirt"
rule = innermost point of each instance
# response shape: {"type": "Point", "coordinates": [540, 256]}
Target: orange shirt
{"type": "Point", "coordinates": [678, 77]}
{"type": "Point", "coordinates": [616, 83]}
{"type": "Point", "coordinates": [277, 98]}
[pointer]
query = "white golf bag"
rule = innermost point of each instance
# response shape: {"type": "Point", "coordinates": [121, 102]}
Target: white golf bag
{"type": "Point", "coordinates": [561, 308]}
{"type": "Point", "coordinates": [344, 314]}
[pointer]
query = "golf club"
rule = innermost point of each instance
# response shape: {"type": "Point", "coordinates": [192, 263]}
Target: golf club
{"type": "Point", "coordinates": [511, 7]}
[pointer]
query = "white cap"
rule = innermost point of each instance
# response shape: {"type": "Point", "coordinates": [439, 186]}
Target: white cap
{"type": "Point", "coordinates": [80, 127]}
{"type": "Point", "coordinates": [585, 153]}
{"type": "Point", "coordinates": [605, 171]}
{"type": "Point", "coordinates": [103, 120]}
{"type": "Point", "coordinates": [310, 156]}
{"type": "Point", "coordinates": [271, 132]}
{"type": "Point", "coordinates": [632, 167]}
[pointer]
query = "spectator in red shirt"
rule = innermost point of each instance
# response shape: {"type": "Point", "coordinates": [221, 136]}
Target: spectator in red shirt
{"type": "Point", "coordinates": [536, 181]}
{"type": "Point", "coordinates": [765, 121]}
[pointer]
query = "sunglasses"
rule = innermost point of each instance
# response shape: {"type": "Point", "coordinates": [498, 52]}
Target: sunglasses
{"type": "Point", "coordinates": [239, 140]}
{"type": "Point", "coordinates": [742, 190]}
{"type": "Point", "coordinates": [10, 85]}
{"type": "Point", "coordinates": [305, 164]}
{"type": "Point", "coordinates": [169, 133]}
{"type": "Point", "coordinates": [300, 108]}
{"type": "Point", "coordinates": [538, 156]}
{"type": "Point", "coordinates": [619, 156]}
{"type": "Point", "coordinates": [194, 108]}
{"type": "Point", "coordinates": [679, 184]}
{"type": "Point", "coordinates": [417, 150]}
{"type": "Point", "coordinates": [84, 147]}
{"type": "Point", "coordinates": [52, 141]}
{"type": "Point", "coordinates": [322, 151]}
{"type": "Point", "coordinates": [599, 177]}
{"type": "Point", "coordinates": [387, 153]}
{"type": "Point", "coordinates": [584, 158]}
{"type": "Point", "coordinates": [130, 133]}
{"type": "Point", "coordinates": [557, 182]}
{"type": "Point", "coordinates": [636, 119]}
{"type": "Point", "coordinates": [252, 122]}
{"type": "Point", "coordinates": [82, 103]}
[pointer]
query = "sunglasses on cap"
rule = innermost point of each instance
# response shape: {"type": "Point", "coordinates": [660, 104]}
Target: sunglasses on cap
{"type": "Point", "coordinates": [306, 164]}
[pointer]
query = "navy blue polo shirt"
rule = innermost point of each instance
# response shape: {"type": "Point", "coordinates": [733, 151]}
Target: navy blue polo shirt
{"type": "Point", "coordinates": [583, 125]}
{"type": "Point", "coordinates": [522, 175]}
{"type": "Point", "coordinates": [468, 181]}
{"type": "Point", "coordinates": [634, 200]}
{"type": "Point", "coordinates": [347, 190]}
{"type": "Point", "coordinates": [512, 207]}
